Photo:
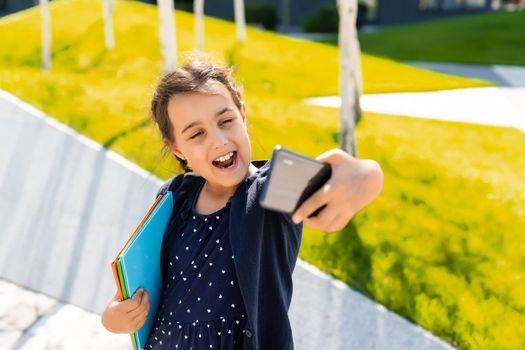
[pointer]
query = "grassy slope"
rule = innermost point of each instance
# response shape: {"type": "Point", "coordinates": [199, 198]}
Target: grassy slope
{"type": "Point", "coordinates": [491, 38]}
{"type": "Point", "coordinates": [440, 246]}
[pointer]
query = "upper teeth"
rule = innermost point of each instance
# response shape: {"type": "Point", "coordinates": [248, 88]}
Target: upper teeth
{"type": "Point", "coordinates": [223, 158]}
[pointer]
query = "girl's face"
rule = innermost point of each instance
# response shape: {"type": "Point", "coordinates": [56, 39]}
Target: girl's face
{"type": "Point", "coordinates": [207, 126]}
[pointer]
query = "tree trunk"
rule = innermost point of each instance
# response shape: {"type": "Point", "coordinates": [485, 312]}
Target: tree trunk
{"type": "Point", "coordinates": [109, 37]}
{"type": "Point", "coordinates": [46, 35]}
{"type": "Point", "coordinates": [350, 75]}
{"type": "Point", "coordinates": [168, 46]}
{"type": "Point", "coordinates": [240, 21]}
{"type": "Point", "coordinates": [285, 22]}
{"type": "Point", "coordinates": [198, 11]}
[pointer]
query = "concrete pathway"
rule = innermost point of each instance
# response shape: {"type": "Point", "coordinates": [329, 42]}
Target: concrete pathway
{"type": "Point", "coordinates": [503, 105]}
{"type": "Point", "coordinates": [66, 207]}
{"type": "Point", "coordinates": [501, 75]}
{"type": "Point", "coordinates": [497, 106]}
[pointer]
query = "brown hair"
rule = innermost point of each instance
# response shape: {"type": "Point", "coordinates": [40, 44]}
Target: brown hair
{"type": "Point", "coordinates": [191, 77]}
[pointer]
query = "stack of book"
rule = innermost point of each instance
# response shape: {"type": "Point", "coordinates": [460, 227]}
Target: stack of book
{"type": "Point", "coordinates": [137, 265]}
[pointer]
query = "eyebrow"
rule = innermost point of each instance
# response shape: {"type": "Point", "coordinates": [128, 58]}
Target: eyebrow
{"type": "Point", "coordinates": [219, 113]}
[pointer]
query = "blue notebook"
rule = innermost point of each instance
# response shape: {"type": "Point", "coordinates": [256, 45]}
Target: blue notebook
{"type": "Point", "coordinates": [138, 263]}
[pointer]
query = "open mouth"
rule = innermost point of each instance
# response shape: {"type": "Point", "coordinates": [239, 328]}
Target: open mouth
{"type": "Point", "coordinates": [227, 163]}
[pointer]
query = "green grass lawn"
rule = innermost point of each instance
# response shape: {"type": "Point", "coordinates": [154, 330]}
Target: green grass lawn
{"type": "Point", "coordinates": [489, 38]}
{"type": "Point", "coordinates": [443, 245]}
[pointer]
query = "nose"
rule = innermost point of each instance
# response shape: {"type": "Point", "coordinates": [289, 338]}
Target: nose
{"type": "Point", "coordinates": [219, 138]}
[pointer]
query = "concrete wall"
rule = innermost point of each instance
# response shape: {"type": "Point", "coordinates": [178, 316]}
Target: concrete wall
{"type": "Point", "coordinates": [67, 206]}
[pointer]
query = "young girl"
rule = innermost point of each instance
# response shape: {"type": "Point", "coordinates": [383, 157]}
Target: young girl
{"type": "Point", "coordinates": [228, 274]}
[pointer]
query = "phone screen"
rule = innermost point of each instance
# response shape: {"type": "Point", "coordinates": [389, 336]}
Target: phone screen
{"type": "Point", "coordinates": [293, 178]}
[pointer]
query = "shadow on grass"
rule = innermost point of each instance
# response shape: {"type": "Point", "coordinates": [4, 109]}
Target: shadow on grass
{"type": "Point", "coordinates": [110, 141]}
{"type": "Point", "coordinates": [345, 256]}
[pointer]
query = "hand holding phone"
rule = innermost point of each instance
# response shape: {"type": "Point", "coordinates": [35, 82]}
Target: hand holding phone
{"type": "Point", "coordinates": [293, 179]}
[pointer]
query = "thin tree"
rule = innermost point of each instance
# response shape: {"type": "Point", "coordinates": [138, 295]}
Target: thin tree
{"type": "Point", "coordinates": [240, 21]}
{"type": "Point", "coordinates": [107, 10]}
{"type": "Point", "coordinates": [46, 34]}
{"type": "Point", "coordinates": [198, 11]}
{"type": "Point", "coordinates": [168, 45]}
{"type": "Point", "coordinates": [349, 75]}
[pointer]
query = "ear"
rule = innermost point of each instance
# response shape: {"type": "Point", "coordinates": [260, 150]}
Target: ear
{"type": "Point", "coordinates": [243, 112]}
{"type": "Point", "coordinates": [173, 148]}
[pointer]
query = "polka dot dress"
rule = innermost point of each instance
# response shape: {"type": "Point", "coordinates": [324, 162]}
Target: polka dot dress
{"type": "Point", "coordinates": [202, 306]}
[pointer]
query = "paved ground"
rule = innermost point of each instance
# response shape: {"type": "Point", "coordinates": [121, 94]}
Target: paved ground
{"type": "Point", "coordinates": [498, 106]}
{"type": "Point", "coordinates": [500, 75]}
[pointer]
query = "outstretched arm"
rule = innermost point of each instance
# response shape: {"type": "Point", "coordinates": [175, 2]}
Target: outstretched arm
{"type": "Point", "coordinates": [354, 184]}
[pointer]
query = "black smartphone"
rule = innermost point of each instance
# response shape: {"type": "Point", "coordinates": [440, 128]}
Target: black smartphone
{"type": "Point", "coordinates": [293, 178]}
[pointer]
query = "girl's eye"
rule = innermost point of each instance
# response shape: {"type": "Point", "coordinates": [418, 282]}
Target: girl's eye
{"type": "Point", "coordinates": [198, 134]}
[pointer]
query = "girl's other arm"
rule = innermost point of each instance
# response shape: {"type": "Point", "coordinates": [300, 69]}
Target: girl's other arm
{"type": "Point", "coordinates": [354, 184]}
{"type": "Point", "coordinates": [126, 316]}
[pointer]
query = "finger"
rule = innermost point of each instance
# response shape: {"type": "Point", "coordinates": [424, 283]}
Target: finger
{"type": "Point", "coordinates": [337, 224]}
{"type": "Point", "coordinates": [316, 200]}
{"type": "Point", "coordinates": [139, 325]}
{"type": "Point", "coordinates": [141, 316]}
{"type": "Point", "coordinates": [321, 221]}
{"type": "Point", "coordinates": [133, 302]}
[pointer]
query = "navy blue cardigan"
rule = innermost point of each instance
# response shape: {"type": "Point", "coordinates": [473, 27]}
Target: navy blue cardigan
{"type": "Point", "coordinates": [265, 244]}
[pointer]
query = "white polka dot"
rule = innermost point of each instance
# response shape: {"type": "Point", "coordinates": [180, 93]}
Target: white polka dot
{"type": "Point", "coordinates": [223, 272]}
{"type": "Point", "coordinates": [176, 257]}
{"type": "Point", "coordinates": [231, 282]}
{"type": "Point", "coordinates": [220, 248]}
{"type": "Point", "coordinates": [185, 337]}
{"type": "Point", "coordinates": [210, 227]}
{"type": "Point", "coordinates": [171, 313]}
{"type": "Point", "coordinates": [171, 264]}
{"type": "Point", "coordinates": [211, 264]}
{"type": "Point", "coordinates": [193, 217]}
{"type": "Point", "coordinates": [184, 278]}
{"type": "Point", "coordinates": [187, 248]}
{"type": "Point", "coordinates": [194, 266]}
{"type": "Point", "coordinates": [194, 230]}
{"type": "Point", "coordinates": [199, 299]}
{"type": "Point", "coordinates": [160, 342]}
{"type": "Point", "coordinates": [199, 275]}
{"type": "Point", "coordinates": [217, 241]}
{"type": "Point", "coordinates": [237, 321]}
{"type": "Point", "coordinates": [180, 301]}
{"type": "Point", "coordinates": [193, 324]}
{"type": "Point", "coordinates": [205, 255]}
{"type": "Point", "coordinates": [181, 272]}
{"type": "Point", "coordinates": [232, 256]}
{"type": "Point", "coordinates": [205, 219]}
{"type": "Point", "coordinates": [229, 331]}
{"type": "Point", "coordinates": [220, 296]}
{"type": "Point", "coordinates": [169, 333]}
{"type": "Point", "coordinates": [188, 310]}
{"type": "Point", "coordinates": [217, 217]}
{"type": "Point", "coordinates": [233, 305]}
{"type": "Point", "coordinates": [219, 334]}
{"type": "Point", "coordinates": [210, 284]}
{"type": "Point", "coordinates": [200, 335]}
{"type": "Point", "coordinates": [208, 310]}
